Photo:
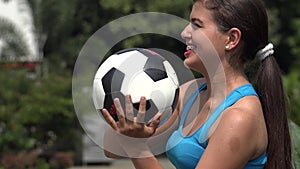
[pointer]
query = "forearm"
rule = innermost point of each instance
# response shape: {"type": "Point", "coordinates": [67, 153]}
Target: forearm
{"type": "Point", "coordinates": [146, 163]}
{"type": "Point", "coordinates": [141, 155]}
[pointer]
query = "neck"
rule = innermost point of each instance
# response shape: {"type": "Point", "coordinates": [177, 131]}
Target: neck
{"type": "Point", "coordinates": [223, 81]}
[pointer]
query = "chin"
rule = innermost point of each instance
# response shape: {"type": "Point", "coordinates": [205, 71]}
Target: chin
{"type": "Point", "coordinates": [194, 66]}
{"type": "Point", "coordinates": [186, 64]}
{"type": "Point", "coordinates": [189, 64]}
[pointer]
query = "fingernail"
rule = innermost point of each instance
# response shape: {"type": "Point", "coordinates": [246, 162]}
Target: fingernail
{"type": "Point", "coordinates": [157, 116]}
{"type": "Point", "coordinates": [116, 100]}
{"type": "Point", "coordinates": [128, 97]}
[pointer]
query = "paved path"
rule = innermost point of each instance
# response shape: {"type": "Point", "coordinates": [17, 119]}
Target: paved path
{"type": "Point", "coordinates": [124, 164]}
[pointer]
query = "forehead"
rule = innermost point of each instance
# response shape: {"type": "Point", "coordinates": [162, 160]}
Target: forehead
{"type": "Point", "coordinates": [199, 11]}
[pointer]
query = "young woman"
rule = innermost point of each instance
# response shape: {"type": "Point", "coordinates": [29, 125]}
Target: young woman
{"type": "Point", "coordinates": [246, 129]}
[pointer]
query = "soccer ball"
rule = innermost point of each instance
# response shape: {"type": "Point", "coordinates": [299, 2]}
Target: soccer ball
{"type": "Point", "coordinates": [138, 72]}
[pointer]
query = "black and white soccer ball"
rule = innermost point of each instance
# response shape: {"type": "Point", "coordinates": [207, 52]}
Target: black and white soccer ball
{"type": "Point", "coordinates": [138, 72]}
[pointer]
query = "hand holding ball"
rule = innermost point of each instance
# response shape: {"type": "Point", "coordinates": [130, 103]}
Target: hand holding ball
{"type": "Point", "coordinates": [137, 72]}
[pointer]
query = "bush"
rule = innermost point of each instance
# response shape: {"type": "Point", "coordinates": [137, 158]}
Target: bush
{"type": "Point", "coordinates": [36, 114]}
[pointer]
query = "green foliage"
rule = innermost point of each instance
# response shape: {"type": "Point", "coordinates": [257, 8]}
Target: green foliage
{"type": "Point", "coordinates": [35, 112]}
{"type": "Point", "coordinates": [180, 8]}
{"type": "Point", "coordinates": [286, 36]}
{"type": "Point", "coordinates": [40, 112]}
{"type": "Point", "coordinates": [295, 134]}
{"type": "Point", "coordinates": [292, 88]}
{"type": "Point", "coordinates": [274, 25]}
{"type": "Point", "coordinates": [13, 135]}
{"type": "Point", "coordinates": [66, 31]}
{"type": "Point", "coordinates": [294, 41]}
{"type": "Point", "coordinates": [54, 98]}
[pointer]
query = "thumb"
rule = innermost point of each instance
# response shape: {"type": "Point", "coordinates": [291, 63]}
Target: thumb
{"type": "Point", "coordinates": [156, 120]}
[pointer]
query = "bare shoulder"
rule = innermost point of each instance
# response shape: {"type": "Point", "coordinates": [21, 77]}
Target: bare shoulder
{"type": "Point", "coordinates": [247, 111]}
{"type": "Point", "coordinates": [244, 121]}
{"type": "Point", "coordinates": [239, 136]}
{"type": "Point", "coordinates": [247, 108]}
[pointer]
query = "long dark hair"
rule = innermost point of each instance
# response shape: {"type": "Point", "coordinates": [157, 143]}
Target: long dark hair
{"type": "Point", "coordinates": [251, 18]}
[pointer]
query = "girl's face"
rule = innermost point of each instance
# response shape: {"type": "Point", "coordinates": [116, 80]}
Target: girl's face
{"type": "Point", "coordinates": [205, 43]}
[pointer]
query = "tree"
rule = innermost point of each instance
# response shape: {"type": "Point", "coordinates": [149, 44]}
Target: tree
{"type": "Point", "coordinates": [287, 33]}
{"type": "Point", "coordinates": [41, 106]}
{"type": "Point", "coordinates": [13, 43]}
{"type": "Point", "coordinates": [41, 109]}
{"type": "Point", "coordinates": [36, 115]}
{"type": "Point", "coordinates": [17, 32]}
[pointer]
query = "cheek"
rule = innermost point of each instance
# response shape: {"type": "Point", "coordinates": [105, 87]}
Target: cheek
{"type": "Point", "coordinates": [205, 49]}
{"type": "Point", "coordinates": [199, 39]}
{"type": "Point", "coordinates": [203, 44]}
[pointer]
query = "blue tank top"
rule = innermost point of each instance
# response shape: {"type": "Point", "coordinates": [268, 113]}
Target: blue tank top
{"type": "Point", "coordinates": [185, 151]}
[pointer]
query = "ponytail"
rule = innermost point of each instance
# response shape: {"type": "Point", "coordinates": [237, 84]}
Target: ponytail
{"type": "Point", "coordinates": [270, 90]}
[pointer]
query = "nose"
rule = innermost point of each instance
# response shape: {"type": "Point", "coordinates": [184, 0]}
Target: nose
{"type": "Point", "coordinates": [186, 33]}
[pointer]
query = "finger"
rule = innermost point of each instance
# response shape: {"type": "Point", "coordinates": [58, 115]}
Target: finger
{"type": "Point", "coordinates": [142, 106]}
{"type": "Point", "coordinates": [129, 108]}
{"type": "Point", "coordinates": [120, 111]}
{"type": "Point", "coordinates": [110, 120]}
{"type": "Point", "coordinates": [142, 111]}
{"type": "Point", "coordinates": [140, 118]}
{"type": "Point", "coordinates": [155, 120]}
{"type": "Point", "coordinates": [153, 125]}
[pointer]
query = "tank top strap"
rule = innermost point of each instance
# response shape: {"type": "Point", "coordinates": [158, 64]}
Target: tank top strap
{"type": "Point", "coordinates": [234, 96]}
{"type": "Point", "coordinates": [189, 103]}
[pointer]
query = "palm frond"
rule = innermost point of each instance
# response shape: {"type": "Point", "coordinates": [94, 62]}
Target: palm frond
{"type": "Point", "coordinates": [14, 46]}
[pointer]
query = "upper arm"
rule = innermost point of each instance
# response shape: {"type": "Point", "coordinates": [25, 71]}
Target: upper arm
{"type": "Point", "coordinates": [233, 143]}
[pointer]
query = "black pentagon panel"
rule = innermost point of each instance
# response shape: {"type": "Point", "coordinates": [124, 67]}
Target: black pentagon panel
{"type": "Point", "coordinates": [136, 105]}
{"type": "Point", "coordinates": [151, 110]}
{"type": "Point", "coordinates": [112, 80]}
{"type": "Point", "coordinates": [155, 68]}
{"type": "Point", "coordinates": [155, 62]}
{"type": "Point", "coordinates": [109, 103]}
{"type": "Point", "coordinates": [156, 74]}
{"type": "Point", "coordinates": [175, 99]}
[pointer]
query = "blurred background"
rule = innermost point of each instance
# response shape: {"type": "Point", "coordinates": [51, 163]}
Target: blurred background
{"type": "Point", "coordinates": [39, 43]}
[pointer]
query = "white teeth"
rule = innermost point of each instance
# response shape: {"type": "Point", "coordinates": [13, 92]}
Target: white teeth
{"type": "Point", "coordinates": [189, 47]}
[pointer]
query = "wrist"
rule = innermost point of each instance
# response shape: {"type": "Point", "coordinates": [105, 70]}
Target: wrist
{"type": "Point", "coordinates": [135, 147]}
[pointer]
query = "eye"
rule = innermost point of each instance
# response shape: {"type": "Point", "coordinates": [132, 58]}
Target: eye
{"type": "Point", "coordinates": [196, 26]}
{"type": "Point", "coordinates": [196, 23]}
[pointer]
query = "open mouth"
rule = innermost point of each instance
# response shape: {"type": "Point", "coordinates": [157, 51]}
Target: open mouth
{"type": "Point", "coordinates": [189, 50]}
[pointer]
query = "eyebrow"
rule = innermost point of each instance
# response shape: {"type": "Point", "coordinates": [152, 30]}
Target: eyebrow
{"type": "Point", "coordinates": [196, 19]}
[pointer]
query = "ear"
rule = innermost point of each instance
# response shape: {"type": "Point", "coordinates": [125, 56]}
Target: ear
{"type": "Point", "coordinates": [234, 36]}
